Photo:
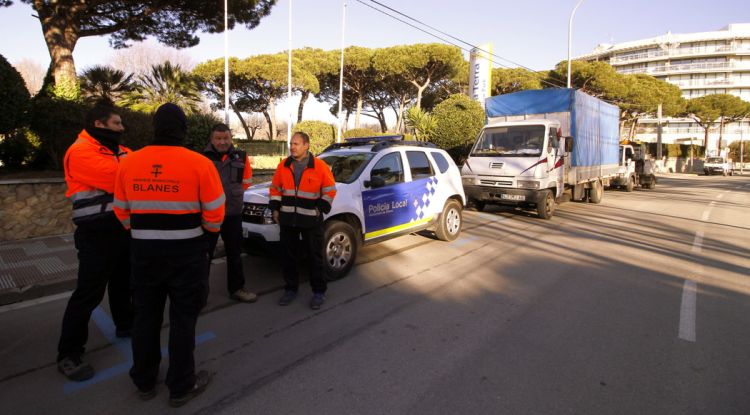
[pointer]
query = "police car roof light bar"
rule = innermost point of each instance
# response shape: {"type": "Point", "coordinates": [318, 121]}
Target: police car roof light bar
{"type": "Point", "coordinates": [380, 138]}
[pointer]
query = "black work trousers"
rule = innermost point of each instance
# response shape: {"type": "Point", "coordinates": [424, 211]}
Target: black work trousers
{"type": "Point", "coordinates": [231, 233]}
{"type": "Point", "coordinates": [310, 246]}
{"type": "Point", "coordinates": [103, 264]}
{"type": "Point", "coordinates": [184, 280]}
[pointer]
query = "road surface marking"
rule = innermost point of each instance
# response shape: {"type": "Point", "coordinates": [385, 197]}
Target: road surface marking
{"type": "Point", "coordinates": [705, 215]}
{"type": "Point", "coordinates": [720, 196]}
{"type": "Point", "coordinates": [712, 204]}
{"type": "Point", "coordinates": [687, 311]}
{"type": "Point", "coordinates": [698, 242]}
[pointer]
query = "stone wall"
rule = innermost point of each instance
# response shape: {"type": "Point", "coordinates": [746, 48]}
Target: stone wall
{"type": "Point", "coordinates": [33, 207]}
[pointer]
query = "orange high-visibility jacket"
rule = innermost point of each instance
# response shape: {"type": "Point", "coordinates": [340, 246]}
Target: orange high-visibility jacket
{"type": "Point", "coordinates": [168, 193]}
{"type": "Point", "coordinates": [301, 206]}
{"type": "Point", "coordinates": [90, 170]}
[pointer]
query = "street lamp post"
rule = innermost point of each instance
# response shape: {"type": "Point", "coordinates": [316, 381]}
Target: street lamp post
{"type": "Point", "coordinates": [570, 36]}
{"type": "Point", "coordinates": [226, 63]}
{"type": "Point", "coordinates": [341, 75]}
{"type": "Point", "coordinates": [289, 82]}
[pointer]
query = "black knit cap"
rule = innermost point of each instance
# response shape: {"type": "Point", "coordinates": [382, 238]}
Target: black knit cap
{"type": "Point", "coordinates": [170, 125]}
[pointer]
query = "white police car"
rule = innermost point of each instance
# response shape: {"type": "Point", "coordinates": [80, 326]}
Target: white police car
{"type": "Point", "coordinates": [385, 187]}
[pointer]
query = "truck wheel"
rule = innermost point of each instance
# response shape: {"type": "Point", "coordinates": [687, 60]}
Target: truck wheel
{"type": "Point", "coordinates": [651, 183]}
{"type": "Point", "coordinates": [630, 184]}
{"type": "Point", "coordinates": [596, 193]}
{"type": "Point", "coordinates": [546, 206]}
{"type": "Point", "coordinates": [449, 223]}
{"type": "Point", "coordinates": [340, 249]}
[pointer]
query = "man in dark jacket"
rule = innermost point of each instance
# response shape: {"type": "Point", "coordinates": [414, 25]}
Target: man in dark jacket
{"type": "Point", "coordinates": [236, 175]}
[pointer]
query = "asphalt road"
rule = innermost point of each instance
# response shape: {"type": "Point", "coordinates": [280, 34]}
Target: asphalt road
{"type": "Point", "coordinates": [638, 305]}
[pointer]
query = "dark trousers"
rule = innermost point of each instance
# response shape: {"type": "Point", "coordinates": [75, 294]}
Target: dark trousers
{"type": "Point", "coordinates": [184, 280]}
{"type": "Point", "coordinates": [292, 248]}
{"type": "Point", "coordinates": [103, 264]}
{"type": "Point", "coordinates": [231, 233]}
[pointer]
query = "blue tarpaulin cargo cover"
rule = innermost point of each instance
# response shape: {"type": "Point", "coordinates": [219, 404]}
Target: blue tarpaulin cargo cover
{"type": "Point", "coordinates": [594, 124]}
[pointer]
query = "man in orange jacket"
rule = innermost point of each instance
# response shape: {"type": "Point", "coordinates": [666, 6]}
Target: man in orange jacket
{"type": "Point", "coordinates": [103, 245]}
{"type": "Point", "coordinates": [302, 190]}
{"type": "Point", "coordinates": [170, 198]}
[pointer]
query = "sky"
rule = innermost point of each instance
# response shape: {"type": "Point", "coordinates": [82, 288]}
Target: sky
{"type": "Point", "coordinates": [529, 33]}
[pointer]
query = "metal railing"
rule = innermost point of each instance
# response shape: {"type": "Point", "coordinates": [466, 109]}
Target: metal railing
{"type": "Point", "coordinates": [694, 51]}
{"type": "Point", "coordinates": [687, 67]}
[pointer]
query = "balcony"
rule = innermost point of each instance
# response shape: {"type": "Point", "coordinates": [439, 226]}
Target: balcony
{"type": "Point", "coordinates": [688, 67]}
{"type": "Point", "coordinates": [677, 52]}
{"type": "Point", "coordinates": [710, 83]}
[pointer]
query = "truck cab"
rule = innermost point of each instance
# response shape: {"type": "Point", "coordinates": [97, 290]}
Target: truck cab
{"type": "Point", "coordinates": [717, 165]}
{"type": "Point", "coordinates": [634, 168]}
{"type": "Point", "coordinates": [516, 163]}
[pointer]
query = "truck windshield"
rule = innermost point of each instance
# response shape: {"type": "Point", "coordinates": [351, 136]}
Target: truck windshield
{"type": "Point", "coordinates": [512, 141]}
{"type": "Point", "coordinates": [717, 160]}
{"type": "Point", "coordinates": [346, 167]}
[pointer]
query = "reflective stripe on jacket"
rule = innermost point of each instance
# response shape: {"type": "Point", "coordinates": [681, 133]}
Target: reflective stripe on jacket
{"type": "Point", "coordinates": [90, 170]}
{"type": "Point", "coordinates": [168, 193]}
{"type": "Point", "coordinates": [235, 173]}
{"type": "Point", "coordinates": [302, 206]}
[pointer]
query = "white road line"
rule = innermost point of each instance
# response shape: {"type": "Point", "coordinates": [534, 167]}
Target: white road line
{"type": "Point", "coordinates": [705, 215]}
{"type": "Point", "coordinates": [697, 242]}
{"type": "Point", "coordinates": [687, 311]}
{"type": "Point", "coordinates": [712, 204]}
{"type": "Point", "coordinates": [720, 196]}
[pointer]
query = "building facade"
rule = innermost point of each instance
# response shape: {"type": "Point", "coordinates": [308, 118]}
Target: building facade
{"type": "Point", "coordinates": [699, 64]}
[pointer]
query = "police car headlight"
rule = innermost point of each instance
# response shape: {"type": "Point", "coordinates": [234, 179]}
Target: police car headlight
{"type": "Point", "coordinates": [528, 184]}
{"type": "Point", "coordinates": [267, 216]}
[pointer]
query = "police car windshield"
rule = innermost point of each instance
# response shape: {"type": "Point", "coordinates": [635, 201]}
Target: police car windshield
{"type": "Point", "coordinates": [346, 166]}
{"type": "Point", "coordinates": [715, 160]}
{"type": "Point", "coordinates": [513, 141]}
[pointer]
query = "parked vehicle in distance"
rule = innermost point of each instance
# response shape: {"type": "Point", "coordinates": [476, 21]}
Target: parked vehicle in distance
{"type": "Point", "coordinates": [635, 168]}
{"type": "Point", "coordinates": [538, 144]}
{"type": "Point", "coordinates": [385, 187]}
{"type": "Point", "coordinates": [717, 165]}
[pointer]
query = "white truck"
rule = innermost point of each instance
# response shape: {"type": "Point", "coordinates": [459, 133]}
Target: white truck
{"type": "Point", "coordinates": [538, 144]}
{"type": "Point", "coordinates": [717, 165]}
{"type": "Point", "coordinates": [635, 169]}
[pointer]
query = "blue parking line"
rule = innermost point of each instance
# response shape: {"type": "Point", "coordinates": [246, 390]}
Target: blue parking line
{"type": "Point", "coordinates": [107, 327]}
{"type": "Point", "coordinates": [463, 241]}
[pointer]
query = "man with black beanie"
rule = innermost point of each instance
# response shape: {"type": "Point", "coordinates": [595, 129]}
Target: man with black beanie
{"type": "Point", "coordinates": [103, 244]}
{"type": "Point", "coordinates": [171, 199]}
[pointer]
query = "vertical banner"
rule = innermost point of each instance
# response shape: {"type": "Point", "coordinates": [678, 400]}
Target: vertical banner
{"type": "Point", "coordinates": [480, 73]}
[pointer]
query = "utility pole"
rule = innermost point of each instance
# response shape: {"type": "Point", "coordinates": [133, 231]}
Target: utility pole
{"type": "Point", "coordinates": [570, 36]}
{"type": "Point", "coordinates": [226, 63]}
{"type": "Point", "coordinates": [658, 134]}
{"type": "Point", "coordinates": [341, 76]}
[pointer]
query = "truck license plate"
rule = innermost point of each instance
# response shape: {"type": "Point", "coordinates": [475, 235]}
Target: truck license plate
{"type": "Point", "coordinates": [513, 197]}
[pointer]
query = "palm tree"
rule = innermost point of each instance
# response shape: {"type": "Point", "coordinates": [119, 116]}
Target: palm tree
{"type": "Point", "coordinates": [104, 82]}
{"type": "Point", "coordinates": [165, 83]}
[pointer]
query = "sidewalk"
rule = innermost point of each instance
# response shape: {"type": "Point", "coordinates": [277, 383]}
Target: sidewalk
{"type": "Point", "coordinates": [43, 266]}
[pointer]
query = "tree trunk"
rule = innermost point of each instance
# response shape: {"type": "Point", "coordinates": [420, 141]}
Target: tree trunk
{"type": "Point", "coordinates": [721, 134]}
{"type": "Point", "coordinates": [357, 115]}
{"type": "Point", "coordinates": [420, 89]}
{"type": "Point", "coordinates": [268, 122]}
{"type": "Point", "coordinates": [383, 125]}
{"type": "Point", "coordinates": [242, 120]}
{"type": "Point", "coordinates": [272, 123]}
{"type": "Point", "coordinates": [705, 140]}
{"type": "Point", "coordinates": [632, 129]}
{"type": "Point", "coordinates": [400, 115]}
{"type": "Point", "coordinates": [303, 99]}
{"type": "Point", "coordinates": [61, 36]}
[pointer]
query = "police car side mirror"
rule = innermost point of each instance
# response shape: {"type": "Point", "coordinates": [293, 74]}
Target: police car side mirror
{"type": "Point", "coordinates": [375, 182]}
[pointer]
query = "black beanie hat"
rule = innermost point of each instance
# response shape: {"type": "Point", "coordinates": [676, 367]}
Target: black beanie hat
{"type": "Point", "coordinates": [170, 125]}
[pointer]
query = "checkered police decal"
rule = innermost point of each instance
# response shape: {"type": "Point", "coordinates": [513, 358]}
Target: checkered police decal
{"type": "Point", "coordinates": [422, 203]}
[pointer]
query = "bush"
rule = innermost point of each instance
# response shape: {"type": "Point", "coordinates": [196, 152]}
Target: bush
{"type": "Point", "coordinates": [57, 122]}
{"type": "Point", "coordinates": [15, 151]}
{"type": "Point", "coordinates": [321, 134]}
{"type": "Point", "coordinates": [199, 130]}
{"type": "Point", "coordinates": [14, 98]}
{"type": "Point", "coordinates": [139, 130]}
{"type": "Point", "coordinates": [734, 151]}
{"type": "Point", "coordinates": [362, 132]}
{"type": "Point", "coordinates": [459, 120]}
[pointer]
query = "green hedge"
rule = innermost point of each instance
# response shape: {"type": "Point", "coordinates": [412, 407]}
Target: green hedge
{"type": "Point", "coordinates": [363, 132]}
{"type": "Point", "coordinates": [268, 148]}
{"type": "Point", "coordinates": [459, 120]}
{"type": "Point", "coordinates": [14, 98]}
{"type": "Point", "coordinates": [677, 150]}
{"type": "Point", "coordinates": [321, 134]}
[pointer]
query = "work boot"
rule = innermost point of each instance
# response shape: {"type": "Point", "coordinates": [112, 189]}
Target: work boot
{"type": "Point", "coordinates": [288, 297]}
{"type": "Point", "coordinates": [147, 395]}
{"type": "Point", "coordinates": [75, 369]}
{"type": "Point", "coordinates": [243, 295]}
{"type": "Point", "coordinates": [317, 300]}
{"type": "Point", "coordinates": [202, 379]}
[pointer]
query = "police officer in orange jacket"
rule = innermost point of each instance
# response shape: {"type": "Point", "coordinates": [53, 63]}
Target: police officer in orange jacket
{"type": "Point", "coordinates": [301, 191]}
{"type": "Point", "coordinates": [170, 198]}
{"type": "Point", "coordinates": [103, 244]}
{"type": "Point", "coordinates": [236, 174]}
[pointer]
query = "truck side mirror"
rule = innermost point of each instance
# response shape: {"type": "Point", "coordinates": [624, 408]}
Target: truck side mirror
{"type": "Point", "coordinates": [568, 144]}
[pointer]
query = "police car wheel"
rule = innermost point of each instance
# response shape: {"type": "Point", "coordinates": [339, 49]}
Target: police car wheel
{"type": "Point", "coordinates": [340, 250]}
{"type": "Point", "coordinates": [449, 224]}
